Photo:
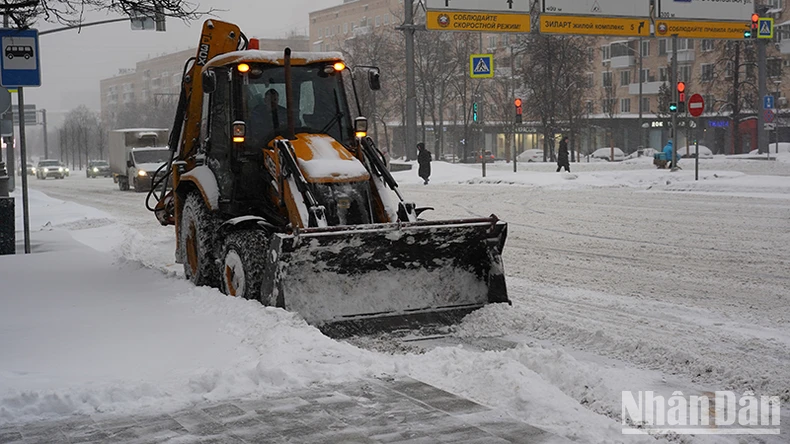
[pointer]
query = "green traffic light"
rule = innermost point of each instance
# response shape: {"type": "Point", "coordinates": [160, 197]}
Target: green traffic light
{"type": "Point", "coordinates": [673, 107]}
{"type": "Point", "coordinates": [747, 34]}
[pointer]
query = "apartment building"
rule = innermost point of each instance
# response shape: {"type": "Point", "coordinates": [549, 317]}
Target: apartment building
{"type": "Point", "coordinates": [159, 78]}
{"type": "Point", "coordinates": [613, 103]}
{"type": "Point", "coordinates": [331, 26]}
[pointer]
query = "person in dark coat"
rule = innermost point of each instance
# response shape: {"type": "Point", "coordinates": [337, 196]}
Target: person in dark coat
{"type": "Point", "coordinates": [424, 159]}
{"type": "Point", "coordinates": [562, 156]}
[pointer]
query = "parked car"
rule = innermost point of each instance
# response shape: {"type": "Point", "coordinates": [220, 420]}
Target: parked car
{"type": "Point", "coordinates": [704, 152]}
{"type": "Point", "coordinates": [642, 152]}
{"type": "Point", "coordinates": [606, 154]}
{"type": "Point", "coordinates": [450, 157]}
{"type": "Point", "coordinates": [476, 157]}
{"type": "Point", "coordinates": [530, 156]}
{"type": "Point", "coordinates": [51, 168]}
{"type": "Point", "coordinates": [98, 168]}
{"type": "Point", "coordinates": [31, 169]}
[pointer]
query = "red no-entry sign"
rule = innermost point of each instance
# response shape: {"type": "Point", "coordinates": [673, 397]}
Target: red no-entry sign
{"type": "Point", "coordinates": [696, 105]}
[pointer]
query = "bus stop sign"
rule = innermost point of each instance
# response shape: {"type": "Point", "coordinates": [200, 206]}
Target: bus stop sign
{"type": "Point", "coordinates": [19, 60]}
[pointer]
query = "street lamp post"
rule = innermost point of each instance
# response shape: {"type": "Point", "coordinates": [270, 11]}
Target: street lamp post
{"type": "Point", "coordinates": [776, 118]}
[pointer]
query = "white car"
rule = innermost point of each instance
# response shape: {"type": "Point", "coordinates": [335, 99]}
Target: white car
{"type": "Point", "coordinates": [784, 147]}
{"type": "Point", "coordinates": [530, 156]}
{"type": "Point", "coordinates": [642, 152]}
{"type": "Point", "coordinates": [704, 152]}
{"type": "Point", "coordinates": [606, 154]}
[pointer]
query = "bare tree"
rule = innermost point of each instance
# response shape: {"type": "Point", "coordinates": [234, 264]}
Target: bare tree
{"type": "Point", "coordinates": [555, 66]}
{"type": "Point", "coordinates": [72, 12]}
{"type": "Point", "coordinates": [149, 114]}
{"type": "Point", "coordinates": [733, 77]}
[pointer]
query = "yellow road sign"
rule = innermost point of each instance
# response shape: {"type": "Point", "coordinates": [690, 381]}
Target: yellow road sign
{"type": "Point", "coordinates": [701, 30]}
{"type": "Point", "coordinates": [476, 21]}
{"type": "Point", "coordinates": [575, 24]}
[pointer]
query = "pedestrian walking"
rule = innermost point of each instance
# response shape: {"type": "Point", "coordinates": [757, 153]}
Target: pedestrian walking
{"type": "Point", "coordinates": [562, 156]}
{"type": "Point", "coordinates": [424, 159]}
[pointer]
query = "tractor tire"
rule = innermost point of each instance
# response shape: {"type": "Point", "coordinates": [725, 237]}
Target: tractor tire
{"type": "Point", "coordinates": [241, 263]}
{"type": "Point", "coordinates": [197, 234]}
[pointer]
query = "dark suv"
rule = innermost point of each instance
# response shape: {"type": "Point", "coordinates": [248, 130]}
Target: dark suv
{"type": "Point", "coordinates": [51, 168]}
{"type": "Point", "coordinates": [98, 168]}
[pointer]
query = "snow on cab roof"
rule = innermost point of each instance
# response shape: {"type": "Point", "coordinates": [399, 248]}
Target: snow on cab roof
{"type": "Point", "coordinates": [273, 57]}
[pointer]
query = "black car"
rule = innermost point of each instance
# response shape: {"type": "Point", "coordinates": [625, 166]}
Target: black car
{"type": "Point", "coordinates": [51, 168]}
{"type": "Point", "coordinates": [98, 168]}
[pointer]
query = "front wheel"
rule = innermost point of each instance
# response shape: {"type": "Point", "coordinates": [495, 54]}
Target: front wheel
{"type": "Point", "coordinates": [123, 184]}
{"type": "Point", "coordinates": [196, 236]}
{"type": "Point", "coordinates": [241, 267]}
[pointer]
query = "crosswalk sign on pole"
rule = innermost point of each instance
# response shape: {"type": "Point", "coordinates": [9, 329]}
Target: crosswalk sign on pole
{"type": "Point", "coordinates": [765, 28]}
{"type": "Point", "coordinates": [481, 66]}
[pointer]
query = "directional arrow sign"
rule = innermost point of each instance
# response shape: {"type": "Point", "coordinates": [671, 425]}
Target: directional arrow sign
{"type": "Point", "coordinates": [521, 6]}
{"type": "Point", "coordinates": [739, 10]}
{"type": "Point", "coordinates": [623, 8]}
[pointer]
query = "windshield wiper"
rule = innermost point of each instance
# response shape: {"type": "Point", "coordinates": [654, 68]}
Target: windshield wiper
{"type": "Point", "coordinates": [336, 118]}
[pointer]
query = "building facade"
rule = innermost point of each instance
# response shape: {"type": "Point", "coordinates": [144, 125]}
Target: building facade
{"type": "Point", "coordinates": [616, 112]}
{"type": "Point", "coordinates": [158, 79]}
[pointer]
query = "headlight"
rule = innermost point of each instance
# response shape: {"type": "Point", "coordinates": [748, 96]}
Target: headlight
{"type": "Point", "coordinates": [46, 170]}
{"type": "Point", "coordinates": [95, 170]}
{"type": "Point", "coordinates": [67, 170]}
{"type": "Point", "coordinates": [142, 173]}
{"type": "Point", "coordinates": [33, 170]}
{"type": "Point", "coordinates": [60, 170]}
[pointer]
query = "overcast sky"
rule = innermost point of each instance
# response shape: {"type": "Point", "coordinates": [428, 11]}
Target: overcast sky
{"type": "Point", "coordinates": [72, 63]}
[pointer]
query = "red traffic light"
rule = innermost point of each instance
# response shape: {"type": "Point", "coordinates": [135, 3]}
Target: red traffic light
{"type": "Point", "coordinates": [517, 102]}
{"type": "Point", "coordinates": [681, 87]}
{"type": "Point", "coordinates": [755, 18]}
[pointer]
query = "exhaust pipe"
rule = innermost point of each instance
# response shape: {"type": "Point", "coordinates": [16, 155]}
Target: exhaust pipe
{"type": "Point", "coordinates": [289, 96]}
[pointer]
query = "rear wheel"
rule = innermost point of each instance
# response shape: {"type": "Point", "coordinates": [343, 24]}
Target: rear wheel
{"type": "Point", "coordinates": [241, 266]}
{"type": "Point", "coordinates": [196, 238]}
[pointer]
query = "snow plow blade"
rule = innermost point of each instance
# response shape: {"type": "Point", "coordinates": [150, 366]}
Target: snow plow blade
{"type": "Point", "coordinates": [363, 279]}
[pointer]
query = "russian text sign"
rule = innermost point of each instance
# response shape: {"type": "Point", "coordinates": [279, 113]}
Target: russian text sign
{"type": "Point", "coordinates": [580, 25]}
{"type": "Point", "coordinates": [476, 21]}
{"type": "Point", "coordinates": [701, 30]}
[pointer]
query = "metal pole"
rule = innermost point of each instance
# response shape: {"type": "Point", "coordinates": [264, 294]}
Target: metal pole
{"type": "Point", "coordinates": [696, 156]}
{"type": "Point", "coordinates": [9, 141]}
{"type": "Point", "coordinates": [776, 118]}
{"type": "Point", "coordinates": [411, 90]}
{"type": "Point", "coordinates": [23, 154]}
{"type": "Point", "coordinates": [641, 80]}
{"type": "Point", "coordinates": [513, 86]}
{"type": "Point", "coordinates": [762, 142]}
{"type": "Point", "coordinates": [674, 75]}
{"type": "Point", "coordinates": [480, 119]}
{"type": "Point", "coordinates": [46, 143]}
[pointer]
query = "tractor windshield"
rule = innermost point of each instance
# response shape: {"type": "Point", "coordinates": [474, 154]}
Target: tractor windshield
{"type": "Point", "coordinates": [319, 102]}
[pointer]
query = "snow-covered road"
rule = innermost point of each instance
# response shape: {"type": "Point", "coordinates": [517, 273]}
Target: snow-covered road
{"type": "Point", "coordinates": [620, 281]}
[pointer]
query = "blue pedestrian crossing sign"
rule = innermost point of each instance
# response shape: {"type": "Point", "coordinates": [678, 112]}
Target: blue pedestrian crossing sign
{"type": "Point", "coordinates": [765, 28]}
{"type": "Point", "coordinates": [481, 66]}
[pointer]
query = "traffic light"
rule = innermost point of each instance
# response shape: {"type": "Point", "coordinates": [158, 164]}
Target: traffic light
{"type": "Point", "coordinates": [681, 97]}
{"type": "Point", "coordinates": [517, 102]}
{"type": "Point", "coordinates": [475, 115]}
{"type": "Point", "coordinates": [752, 32]}
{"type": "Point", "coordinates": [673, 107]}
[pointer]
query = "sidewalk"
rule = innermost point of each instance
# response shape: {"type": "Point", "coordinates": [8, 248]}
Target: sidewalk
{"type": "Point", "coordinates": [372, 411]}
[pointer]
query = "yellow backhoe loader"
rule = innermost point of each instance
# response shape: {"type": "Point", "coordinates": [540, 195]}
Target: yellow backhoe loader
{"type": "Point", "coordinates": [279, 195]}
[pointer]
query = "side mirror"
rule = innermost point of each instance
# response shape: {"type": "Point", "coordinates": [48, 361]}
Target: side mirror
{"type": "Point", "coordinates": [361, 127]}
{"type": "Point", "coordinates": [129, 164]}
{"type": "Point", "coordinates": [209, 82]}
{"type": "Point", "coordinates": [374, 79]}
